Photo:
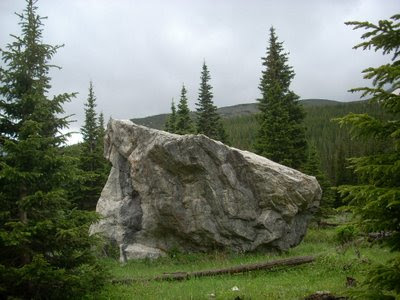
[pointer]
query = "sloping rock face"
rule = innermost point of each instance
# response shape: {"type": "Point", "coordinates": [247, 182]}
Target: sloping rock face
{"type": "Point", "coordinates": [192, 193]}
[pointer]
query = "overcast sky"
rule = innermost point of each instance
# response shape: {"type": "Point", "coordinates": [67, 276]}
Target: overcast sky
{"type": "Point", "coordinates": [138, 53]}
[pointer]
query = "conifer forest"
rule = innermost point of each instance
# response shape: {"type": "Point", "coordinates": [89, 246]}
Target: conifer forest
{"type": "Point", "coordinates": [50, 186]}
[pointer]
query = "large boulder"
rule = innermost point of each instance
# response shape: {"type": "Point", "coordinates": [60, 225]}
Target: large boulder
{"type": "Point", "coordinates": [191, 193]}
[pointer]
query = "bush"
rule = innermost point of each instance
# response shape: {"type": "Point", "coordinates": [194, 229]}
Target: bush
{"type": "Point", "coordinates": [346, 233]}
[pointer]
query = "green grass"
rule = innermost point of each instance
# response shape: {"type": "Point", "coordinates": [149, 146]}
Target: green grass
{"type": "Point", "coordinates": [328, 273]}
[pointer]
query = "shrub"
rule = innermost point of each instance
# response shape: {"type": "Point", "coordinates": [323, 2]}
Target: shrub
{"type": "Point", "coordinates": [346, 233]}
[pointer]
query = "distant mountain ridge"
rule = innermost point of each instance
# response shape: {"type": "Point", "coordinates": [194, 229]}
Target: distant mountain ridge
{"type": "Point", "coordinates": [158, 121]}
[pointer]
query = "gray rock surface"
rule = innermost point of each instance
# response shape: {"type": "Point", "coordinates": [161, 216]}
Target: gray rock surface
{"type": "Point", "coordinates": [192, 193]}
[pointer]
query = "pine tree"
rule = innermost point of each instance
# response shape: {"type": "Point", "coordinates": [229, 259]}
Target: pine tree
{"type": "Point", "coordinates": [281, 134]}
{"type": "Point", "coordinates": [170, 124]}
{"type": "Point", "coordinates": [184, 124]}
{"type": "Point", "coordinates": [90, 133]}
{"type": "Point", "coordinates": [313, 167]}
{"type": "Point", "coordinates": [92, 162]}
{"type": "Point", "coordinates": [45, 250]}
{"type": "Point", "coordinates": [375, 201]}
{"type": "Point", "coordinates": [104, 167]}
{"type": "Point", "coordinates": [208, 120]}
{"type": "Point", "coordinates": [101, 131]}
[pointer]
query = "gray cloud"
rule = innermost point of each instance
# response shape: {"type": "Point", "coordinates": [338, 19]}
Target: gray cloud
{"type": "Point", "coordinates": [138, 53]}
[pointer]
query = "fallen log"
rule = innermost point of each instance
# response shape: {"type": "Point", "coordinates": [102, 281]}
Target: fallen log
{"type": "Point", "coordinates": [328, 224]}
{"type": "Point", "coordinates": [231, 270]}
{"type": "Point", "coordinates": [376, 236]}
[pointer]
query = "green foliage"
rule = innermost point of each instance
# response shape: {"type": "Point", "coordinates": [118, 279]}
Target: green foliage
{"type": "Point", "coordinates": [346, 233]}
{"type": "Point", "coordinates": [333, 144]}
{"type": "Point", "coordinates": [45, 250]}
{"type": "Point", "coordinates": [101, 129]}
{"type": "Point", "coordinates": [89, 131]}
{"type": "Point", "coordinates": [94, 168]}
{"type": "Point", "coordinates": [375, 200]}
{"type": "Point", "coordinates": [170, 123]}
{"type": "Point", "coordinates": [242, 131]}
{"type": "Point", "coordinates": [281, 133]}
{"type": "Point", "coordinates": [313, 167]}
{"type": "Point", "coordinates": [385, 277]}
{"type": "Point", "coordinates": [184, 124]}
{"type": "Point", "coordinates": [208, 120]}
{"type": "Point", "coordinates": [101, 132]}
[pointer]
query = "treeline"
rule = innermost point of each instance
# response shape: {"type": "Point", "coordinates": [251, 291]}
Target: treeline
{"type": "Point", "coordinates": [334, 145]}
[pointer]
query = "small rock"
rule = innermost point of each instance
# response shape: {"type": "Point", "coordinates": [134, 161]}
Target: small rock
{"type": "Point", "coordinates": [235, 289]}
{"type": "Point", "coordinates": [138, 251]}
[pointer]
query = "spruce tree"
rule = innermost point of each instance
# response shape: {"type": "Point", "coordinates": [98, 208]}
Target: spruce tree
{"type": "Point", "coordinates": [104, 167]}
{"type": "Point", "coordinates": [92, 162]}
{"type": "Point", "coordinates": [90, 133]}
{"type": "Point", "coordinates": [101, 131]}
{"type": "Point", "coordinates": [375, 201]}
{"type": "Point", "coordinates": [45, 250]}
{"type": "Point", "coordinates": [170, 124]}
{"type": "Point", "coordinates": [313, 167]}
{"type": "Point", "coordinates": [208, 120]}
{"type": "Point", "coordinates": [184, 124]}
{"type": "Point", "coordinates": [281, 134]}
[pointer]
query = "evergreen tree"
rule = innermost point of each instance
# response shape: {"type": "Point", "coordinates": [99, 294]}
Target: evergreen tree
{"type": "Point", "coordinates": [45, 250]}
{"type": "Point", "coordinates": [170, 124]}
{"type": "Point", "coordinates": [105, 167]}
{"type": "Point", "coordinates": [184, 124]}
{"type": "Point", "coordinates": [101, 131]}
{"type": "Point", "coordinates": [208, 120]}
{"type": "Point", "coordinates": [313, 167]}
{"type": "Point", "coordinates": [92, 162]}
{"type": "Point", "coordinates": [375, 200]}
{"type": "Point", "coordinates": [281, 134]}
{"type": "Point", "coordinates": [90, 133]}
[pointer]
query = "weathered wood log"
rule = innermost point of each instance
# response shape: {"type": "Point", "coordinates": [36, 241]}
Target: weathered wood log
{"type": "Point", "coordinates": [328, 224]}
{"type": "Point", "coordinates": [294, 261]}
{"type": "Point", "coordinates": [375, 236]}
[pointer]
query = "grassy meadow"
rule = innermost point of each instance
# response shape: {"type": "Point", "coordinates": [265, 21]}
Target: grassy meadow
{"type": "Point", "coordinates": [334, 262]}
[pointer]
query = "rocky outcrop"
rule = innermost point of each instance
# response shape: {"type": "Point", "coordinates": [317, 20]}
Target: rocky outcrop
{"type": "Point", "coordinates": [192, 193]}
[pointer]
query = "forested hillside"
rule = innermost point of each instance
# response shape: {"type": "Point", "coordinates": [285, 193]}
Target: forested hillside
{"type": "Point", "coordinates": [158, 121]}
{"type": "Point", "coordinates": [334, 144]}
